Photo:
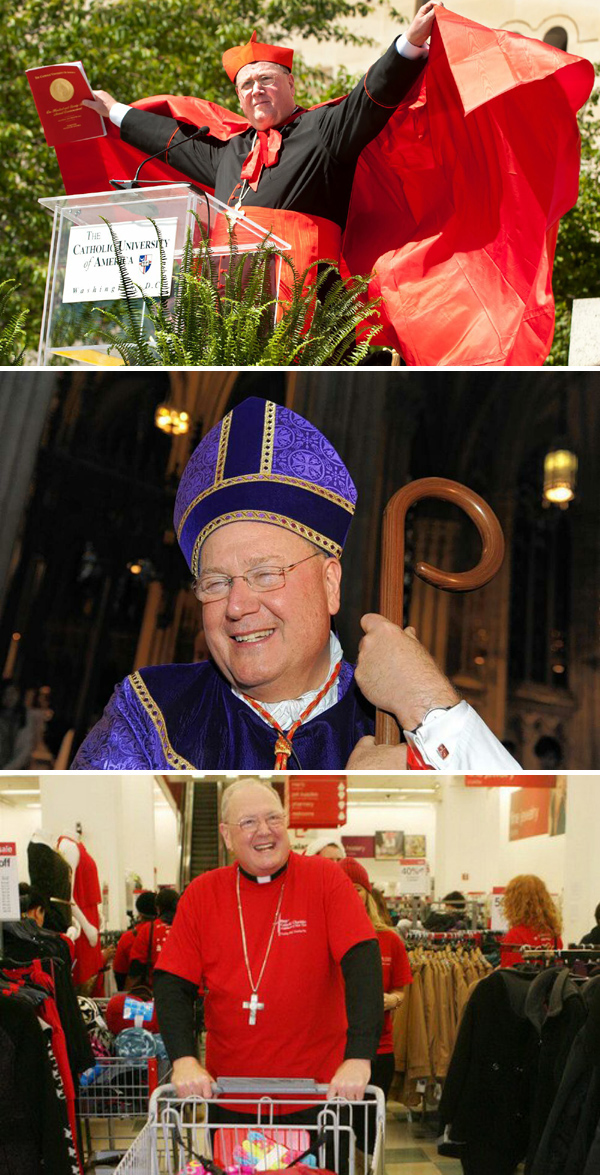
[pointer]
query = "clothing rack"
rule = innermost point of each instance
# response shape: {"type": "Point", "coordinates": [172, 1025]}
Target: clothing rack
{"type": "Point", "coordinates": [568, 954]}
{"type": "Point", "coordinates": [417, 908]}
{"type": "Point", "coordinates": [476, 937]}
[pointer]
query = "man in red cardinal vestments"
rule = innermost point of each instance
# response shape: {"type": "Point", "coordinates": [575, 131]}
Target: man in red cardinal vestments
{"type": "Point", "coordinates": [290, 169]}
{"type": "Point", "coordinates": [443, 174]}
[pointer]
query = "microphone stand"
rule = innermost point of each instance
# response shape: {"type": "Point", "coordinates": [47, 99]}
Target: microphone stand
{"type": "Point", "coordinates": [125, 185]}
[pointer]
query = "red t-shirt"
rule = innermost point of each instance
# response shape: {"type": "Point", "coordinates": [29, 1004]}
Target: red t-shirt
{"type": "Point", "coordinates": [396, 973]}
{"type": "Point", "coordinates": [123, 951]}
{"type": "Point", "coordinates": [524, 936]}
{"type": "Point", "coordinates": [301, 1031]}
{"type": "Point", "coordinates": [141, 944]}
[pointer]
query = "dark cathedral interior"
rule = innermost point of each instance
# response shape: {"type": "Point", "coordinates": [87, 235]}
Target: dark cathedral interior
{"type": "Point", "coordinates": [93, 585]}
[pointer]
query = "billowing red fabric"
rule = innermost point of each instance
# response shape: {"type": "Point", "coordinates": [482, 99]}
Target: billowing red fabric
{"type": "Point", "coordinates": [311, 239]}
{"type": "Point", "coordinates": [455, 204]}
{"type": "Point", "coordinates": [463, 194]}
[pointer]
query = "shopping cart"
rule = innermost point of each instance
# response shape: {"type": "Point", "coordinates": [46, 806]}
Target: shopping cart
{"type": "Point", "coordinates": [181, 1132]}
{"type": "Point", "coordinates": [113, 1102]}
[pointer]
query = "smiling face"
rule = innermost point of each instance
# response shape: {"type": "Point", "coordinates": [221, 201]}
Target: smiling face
{"type": "Point", "coordinates": [264, 849]}
{"type": "Point", "coordinates": [272, 645]}
{"type": "Point", "coordinates": [266, 93]}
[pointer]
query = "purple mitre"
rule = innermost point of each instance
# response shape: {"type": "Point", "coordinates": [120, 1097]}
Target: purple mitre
{"type": "Point", "coordinates": [264, 463]}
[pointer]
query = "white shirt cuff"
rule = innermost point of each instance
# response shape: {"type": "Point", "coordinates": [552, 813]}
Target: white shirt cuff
{"type": "Point", "coordinates": [459, 741]}
{"type": "Point", "coordinates": [407, 49]}
{"type": "Point", "coordinates": [118, 112]}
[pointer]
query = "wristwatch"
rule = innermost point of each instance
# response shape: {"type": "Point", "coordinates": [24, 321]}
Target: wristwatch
{"type": "Point", "coordinates": [431, 715]}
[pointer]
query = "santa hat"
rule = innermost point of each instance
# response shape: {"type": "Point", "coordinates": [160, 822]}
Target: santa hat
{"type": "Point", "coordinates": [356, 872]}
{"type": "Point", "coordinates": [253, 50]}
{"type": "Point", "coordinates": [321, 842]}
{"type": "Point", "coordinates": [264, 463]}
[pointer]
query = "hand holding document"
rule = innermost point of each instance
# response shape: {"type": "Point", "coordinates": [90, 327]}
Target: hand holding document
{"type": "Point", "coordinates": [58, 92]}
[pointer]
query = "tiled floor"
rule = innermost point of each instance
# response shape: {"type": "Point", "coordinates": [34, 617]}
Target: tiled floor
{"type": "Point", "coordinates": [411, 1149]}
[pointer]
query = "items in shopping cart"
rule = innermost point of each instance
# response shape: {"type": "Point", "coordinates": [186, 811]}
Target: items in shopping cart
{"type": "Point", "coordinates": [135, 1042]}
{"type": "Point", "coordinates": [259, 1152]}
{"type": "Point", "coordinates": [197, 1167]}
{"type": "Point", "coordinates": [125, 1010]}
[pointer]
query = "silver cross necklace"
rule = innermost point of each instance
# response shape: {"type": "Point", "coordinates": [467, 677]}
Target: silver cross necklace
{"type": "Point", "coordinates": [253, 1004]}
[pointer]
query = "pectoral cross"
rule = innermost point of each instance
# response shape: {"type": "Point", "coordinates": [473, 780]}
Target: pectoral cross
{"type": "Point", "coordinates": [254, 1007]}
{"type": "Point", "coordinates": [234, 214]}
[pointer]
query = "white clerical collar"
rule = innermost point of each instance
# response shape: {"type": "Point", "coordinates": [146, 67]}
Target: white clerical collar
{"type": "Point", "coordinates": [263, 879]}
{"type": "Point", "coordinates": [287, 712]}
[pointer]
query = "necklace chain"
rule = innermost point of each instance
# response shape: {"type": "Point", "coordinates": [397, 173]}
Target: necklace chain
{"type": "Point", "coordinates": [254, 988]}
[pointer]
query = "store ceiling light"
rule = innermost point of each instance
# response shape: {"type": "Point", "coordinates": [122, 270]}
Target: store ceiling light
{"type": "Point", "coordinates": [20, 791]}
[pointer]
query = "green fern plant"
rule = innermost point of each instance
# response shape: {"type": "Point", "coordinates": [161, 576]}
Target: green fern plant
{"type": "Point", "coordinates": [228, 319]}
{"type": "Point", "coordinates": [12, 333]}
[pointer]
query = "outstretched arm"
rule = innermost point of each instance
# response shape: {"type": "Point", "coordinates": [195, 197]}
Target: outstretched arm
{"type": "Point", "coordinates": [152, 133]}
{"type": "Point", "coordinates": [347, 127]}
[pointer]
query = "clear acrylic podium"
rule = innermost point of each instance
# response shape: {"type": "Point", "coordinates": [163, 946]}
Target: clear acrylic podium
{"type": "Point", "coordinates": [84, 276]}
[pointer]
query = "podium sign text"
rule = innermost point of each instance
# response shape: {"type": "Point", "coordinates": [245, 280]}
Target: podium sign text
{"type": "Point", "coordinates": [92, 272]}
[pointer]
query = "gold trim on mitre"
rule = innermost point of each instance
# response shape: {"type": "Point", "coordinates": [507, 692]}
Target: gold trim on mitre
{"type": "Point", "coordinates": [280, 478]}
{"type": "Point", "coordinates": [299, 528]}
{"type": "Point", "coordinates": [268, 444]}
{"type": "Point", "coordinates": [222, 454]}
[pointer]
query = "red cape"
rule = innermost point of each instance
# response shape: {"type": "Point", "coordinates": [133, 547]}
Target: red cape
{"type": "Point", "coordinates": [455, 205]}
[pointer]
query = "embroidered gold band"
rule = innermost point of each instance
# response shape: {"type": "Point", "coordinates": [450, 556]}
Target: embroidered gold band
{"type": "Point", "coordinates": [280, 478]}
{"type": "Point", "coordinates": [266, 457]}
{"type": "Point", "coordinates": [305, 532]}
{"type": "Point", "coordinates": [223, 442]}
{"type": "Point", "coordinates": [157, 718]}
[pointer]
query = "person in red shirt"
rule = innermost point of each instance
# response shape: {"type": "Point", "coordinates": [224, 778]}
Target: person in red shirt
{"type": "Point", "coordinates": [397, 974]}
{"type": "Point", "coordinates": [151, 939]}
{"type": "Point", "coordinates": [146, 908]}
{"type": "Point", "coordinates": [532, 918]}
{"type": "Point", "coordinates": [286, 953]}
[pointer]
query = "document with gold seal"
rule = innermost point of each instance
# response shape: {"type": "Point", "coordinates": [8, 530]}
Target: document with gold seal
{"type": "Point", "coordinates": [58, 91]}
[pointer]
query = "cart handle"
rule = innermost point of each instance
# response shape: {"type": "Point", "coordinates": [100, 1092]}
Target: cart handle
{"type": "Point", "coordinates": [276, 1085]}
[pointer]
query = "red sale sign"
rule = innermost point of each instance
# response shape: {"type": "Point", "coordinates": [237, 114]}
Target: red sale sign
{"type": "Point", "coordinates": [529, 813]}
{"type": "Point", "coordinates": [317, 801]}
{"type": "Point", "coordinates": [359, 846]}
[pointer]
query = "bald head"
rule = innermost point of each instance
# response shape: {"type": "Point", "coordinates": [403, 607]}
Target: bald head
{"type": "Point", "coordinates": [242, 788]}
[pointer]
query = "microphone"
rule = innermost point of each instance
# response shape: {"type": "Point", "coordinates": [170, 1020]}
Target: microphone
{"type": "Point", "coordinates": [125, 184]}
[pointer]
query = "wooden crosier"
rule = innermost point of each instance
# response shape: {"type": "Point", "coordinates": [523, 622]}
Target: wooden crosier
{"type": "Point", "coordinates": [391, 598]}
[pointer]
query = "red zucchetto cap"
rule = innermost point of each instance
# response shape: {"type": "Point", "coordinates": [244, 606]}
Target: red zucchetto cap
{"type": "Point", "coordinates": [253, 50]}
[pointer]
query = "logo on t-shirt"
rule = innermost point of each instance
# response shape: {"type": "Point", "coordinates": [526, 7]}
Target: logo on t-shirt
{"type": "Point", "coordinates": [287, 926]}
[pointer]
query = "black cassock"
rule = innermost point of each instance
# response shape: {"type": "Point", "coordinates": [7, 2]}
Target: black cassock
{"type": "Point", "coordinates": [317, 159]}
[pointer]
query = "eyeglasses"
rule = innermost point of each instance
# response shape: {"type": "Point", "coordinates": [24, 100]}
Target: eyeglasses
{"type": "Point", "coordinates": [267, 79]}
{"type": "Point", "coordinates": [252, 823]}
{"type": "Point", "coordinates": [259, 579]}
